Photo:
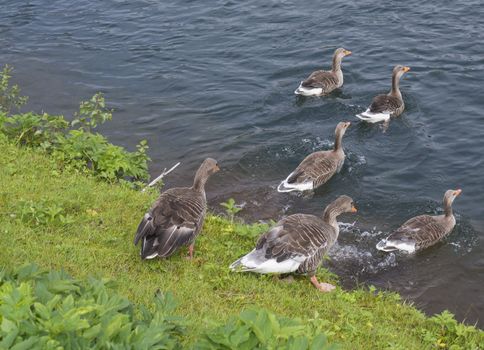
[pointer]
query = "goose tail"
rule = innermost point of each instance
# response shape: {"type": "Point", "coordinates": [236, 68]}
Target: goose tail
{"type": "Point", "coordinates": [386, 245]}
{"type": "Point", "coordinates": [370, 117]}
{"type": "Point", "coordinates": [241, 264]}
{"type": "Point", "coordinates": [308, 91]}
{"type": "Point", "coordinates": [285, 187]}
{"type": "Point", "coordinates": [146, 234]}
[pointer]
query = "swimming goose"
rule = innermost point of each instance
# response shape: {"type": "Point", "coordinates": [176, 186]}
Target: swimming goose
{"type": "Point", "coordinates": [318, 167]}
{"type": "Point", "coordinates": [176, 218]}
{"type": "Point", "coordinates": [385, 106]}
{"type": "Point", "coordinates": [297, 243]}
{"type": "Point", "coordinates": [422, 231]}
{"type": "Point", "coordinates": [323, 82]}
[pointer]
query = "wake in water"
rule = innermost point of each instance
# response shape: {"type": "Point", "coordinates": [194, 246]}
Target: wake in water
{"type": "Point", "coordinates": [360, 258]}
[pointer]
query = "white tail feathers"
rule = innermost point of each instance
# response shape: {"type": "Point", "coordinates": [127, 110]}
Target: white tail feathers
{"type": "Point", "coordinates": [284, 186]}
{"type": "Point", "coordinates": [308, 91]}
{"type": "Point", "coordinates": [390, 246]}
{"type": "Point", "coordinates": [370, 117]}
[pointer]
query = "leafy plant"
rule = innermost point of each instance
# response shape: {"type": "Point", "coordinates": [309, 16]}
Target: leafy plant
{"type": "Point", "coordinates": [450, 334]}
{"type": "Point", "coordinates": [73, 144]}
{"type": "Point", "coordinates": [105, 160]}
{"type": "Point", "coordinates": [34, 129]}
{"type": "Point", "coordinates": [50, 310]}
{"type": "Point", "coordinates": [43, 213]}
{"type": "Point", "coordinates": [9, 95]}
{"type": "Point", "coordinates": [92, 113]}
{"type": "Point", "coordinates": [231, 208]}
{"type": "Point", "coordinates": [261, 329]}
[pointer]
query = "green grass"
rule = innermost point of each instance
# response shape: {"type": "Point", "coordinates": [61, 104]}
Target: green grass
{"type": "Point", "coordinates": [75, 222]}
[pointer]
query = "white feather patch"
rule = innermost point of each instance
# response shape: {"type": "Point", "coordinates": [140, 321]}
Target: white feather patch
{"type": "Point", "coordinates": [370, 117]}
{"type": "Point", "coordinates": [388, 246]}
{"type": "Point", "coordinates": [307, 91]}
{"type": "Point", "coordinates": [287, 187]}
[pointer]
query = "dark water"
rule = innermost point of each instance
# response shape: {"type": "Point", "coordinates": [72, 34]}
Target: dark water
{"type": "Point", "coordinates": [217, 78]}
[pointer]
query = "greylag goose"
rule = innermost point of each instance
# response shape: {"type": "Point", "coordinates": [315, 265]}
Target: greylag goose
{"type": "Point", "coordinates": [176, 217]}
{"type": "Point", "coordinates": [385, 106]}
{"type": "Point", "coordinates": [297, 243]}
{"type": "Point", "coordinates": [422, 231]}
{"type": "Point", "coordinates": [323, 82]}
{"type": "Point", "coordinates": [318, 167]}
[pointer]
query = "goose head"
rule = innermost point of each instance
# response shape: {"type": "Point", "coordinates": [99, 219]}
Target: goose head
{"type": "Point", "coordinates": [341, 127]}
{"type": "Point", "coordinates": [209, 166]}
{"type": "Point", "coordinates": [344, 204]}
{"type": "Point", "coordinates": [450, 195]}
{"type": "Point", "coordinates": [337, 57]}
{"type": "Point", "coordinates": [399, 70]}
{"type": "Point", "coordinates": [341, 52]}
{"type": "Point", "coordinates": [339, 132]}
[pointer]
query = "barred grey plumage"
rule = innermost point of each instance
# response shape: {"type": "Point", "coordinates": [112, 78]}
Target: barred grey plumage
{"type": "Point", "coordinates": [422, 231]}
{"type": "Point", "coordinates": [323, 82]}
{"type": "Point", "coordinates": [176, 217]}
{"type": "Point", "coordinates": [296, 243]}
{"type": "Point", "coordinates": [384, 106]}
{"type": "Point", "coordinates": [318, 167]}
{"type": "Point", "coordinates": [392, 102]}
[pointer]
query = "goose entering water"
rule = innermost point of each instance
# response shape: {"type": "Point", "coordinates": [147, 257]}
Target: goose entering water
{"type": "Point", "coordinates": [176, 218]}
{"type": "Point", "coordinates": [422, 231]}
{"type": "Point", "coordinates": [323, 82]}
{"type": "Point", "coordinates": [297, 243]}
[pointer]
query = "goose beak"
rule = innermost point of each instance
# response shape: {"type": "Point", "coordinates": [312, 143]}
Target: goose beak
{"type": "Point", "coordinates": [457, 192]}
{"type": "Point", "coordinates": [217, 168]}
{"type": "Point", "coordinates": [347, 52]}
{"type": "Point", "coordinates": [406, 69]}
{"type": "Point", "coordinates": [353, 209]}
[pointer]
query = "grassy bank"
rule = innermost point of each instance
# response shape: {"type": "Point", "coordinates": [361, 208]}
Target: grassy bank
{"type": "Point", "coordinates": [69, 199]}
{"type": "Point", "coordinates": [65, 219]}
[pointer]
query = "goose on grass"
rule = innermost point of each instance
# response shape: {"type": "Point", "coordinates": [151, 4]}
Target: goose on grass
{"type": "Point", "coordinates": [297, 244]}
{"type": "Point", "coordinates": [176, 217]}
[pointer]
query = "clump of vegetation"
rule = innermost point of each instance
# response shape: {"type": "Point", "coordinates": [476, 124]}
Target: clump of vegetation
{"type": "Point", "coordinates": [43, 213]}
{"type": "Point", "coordinates": [231, 208]}
{"type": "Point", "coordinates": [261, 329]}
{"type": "Point", "coordinates": [50, 310]}
{"type": "Point", "coordinates": [73, 144]}
{"type": "Point", "coordinates": [450, 334]}
{"type": "Point", "coordinates": [9, 95]}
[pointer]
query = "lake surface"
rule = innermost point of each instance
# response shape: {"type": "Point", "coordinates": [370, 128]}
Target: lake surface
{"type": "Point", "coordinates": [200, 79]}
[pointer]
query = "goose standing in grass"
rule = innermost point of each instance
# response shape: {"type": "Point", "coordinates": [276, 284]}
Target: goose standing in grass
{"type": "Point", "coordinates": [323, 82]}
{"type": "Point", "coordinates": [385, 106]}
{"type": "Point", "coordinates": [176, 218]}
{"type": "Point", "coordinates": [318, 167]}
{"type": "Point", "coordinates": [422, 231]}
{"type": "Point", "coordinates": [297, 243]}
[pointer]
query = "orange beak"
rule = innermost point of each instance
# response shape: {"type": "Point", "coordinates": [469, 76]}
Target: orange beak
{"type": "Point", "coordinates": [353, 209]}
{"type": "Point", "coordinates": [406, 69]}
{"type": "Point", "coordinates": [457, 192]}
{"type": "Point", "coordinates": [347, 52]}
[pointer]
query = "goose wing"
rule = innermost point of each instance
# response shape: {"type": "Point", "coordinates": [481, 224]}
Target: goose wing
{"type": "Point", "coordinates": [174, 220]}
{"type": "Point", "coordinates": [296, 237]}
{"type": "Point", "coordinates": [422, 230]}
{"type": "Point", "coordinates": [317, 168]}
{"type": "Point", "coordinates": [385, 104]}
{"type": "Point", "coordinates": [321, 79]}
